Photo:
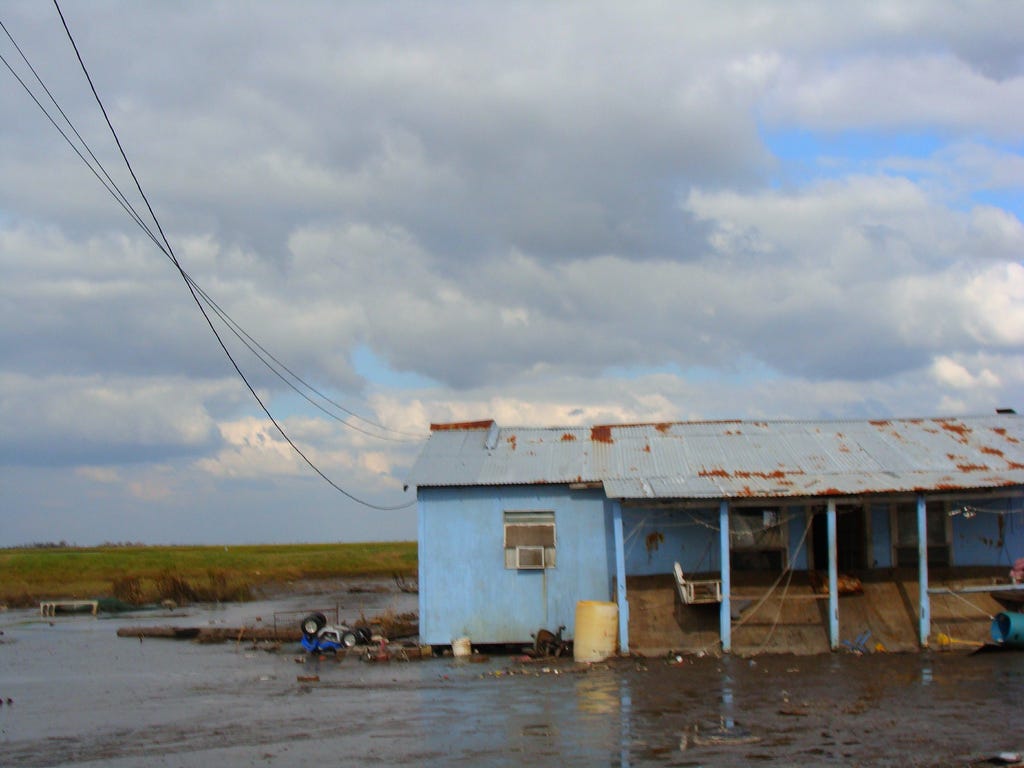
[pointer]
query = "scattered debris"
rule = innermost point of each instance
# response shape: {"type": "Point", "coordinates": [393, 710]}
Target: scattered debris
{"type": "Point", "coordinates": [320, 637]}
{"type": "Point", "coordinates": [403, 586]}
{"type": "Point", "coordinates": [717, 734]}
{"type": "Point", "coordinates": [859, 645]}
{"type": "Point", "coordinates": [1005, 759]}
{"type": "Point", "coordinates": [548, 643]}
{"type": "Point", "coordinates": [845, 584]}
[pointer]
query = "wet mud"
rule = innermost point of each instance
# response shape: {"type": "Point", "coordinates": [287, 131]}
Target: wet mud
{"type": "Point", "coordinates": [79, 695]}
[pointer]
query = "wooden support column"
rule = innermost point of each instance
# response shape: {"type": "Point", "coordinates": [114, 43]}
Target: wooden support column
{"type": "Point", "coordinates": [925, 628]}
{"type": "Point", "coordinates": [833, 578]}
{"type": "Point", "coordinates": [620, 577]}
{"type": "Point", "coordinates": [725, 610]}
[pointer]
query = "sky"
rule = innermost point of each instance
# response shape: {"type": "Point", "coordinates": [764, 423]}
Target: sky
{"type": "Point", "coordinates": [547, 214]}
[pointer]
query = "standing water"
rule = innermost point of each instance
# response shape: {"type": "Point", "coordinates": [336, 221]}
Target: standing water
{"type": "Point", "coordinates": [73, 693]}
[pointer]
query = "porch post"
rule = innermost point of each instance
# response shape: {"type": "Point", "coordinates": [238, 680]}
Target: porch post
{"type": "Point", "coordinates": [725, 610]}
{"type": "Point", "coordinates": [833, 578]}
{"type": "Point", "coordinates": [922, 569]}
{"type": "Point", "coordinates": [620, 577]}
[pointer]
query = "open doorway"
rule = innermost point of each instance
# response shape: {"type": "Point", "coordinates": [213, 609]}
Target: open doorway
{"type": "Point", "coordinates": [851, 538]}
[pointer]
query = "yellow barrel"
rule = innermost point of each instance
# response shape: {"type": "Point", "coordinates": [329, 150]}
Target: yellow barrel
{"type": "Point", "coordinates": [597, 626]}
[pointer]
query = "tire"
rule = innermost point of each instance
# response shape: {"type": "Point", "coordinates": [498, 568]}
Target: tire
{"type": "Point", "coordinates": [314, 623]}
{"type": "Point", "coordinates": [349, 639]}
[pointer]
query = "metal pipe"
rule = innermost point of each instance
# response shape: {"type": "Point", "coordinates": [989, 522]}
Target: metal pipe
{"type": "Point", "coordinates": [725, 610]}
{"type": "Point", "coordinates": [620, 577]}
{"type": "Point", "coordinates": [922, 573]}
{"type": "Point", "coordinates": [833, 577]}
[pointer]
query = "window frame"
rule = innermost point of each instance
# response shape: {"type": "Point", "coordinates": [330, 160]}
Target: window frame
{"type": "Point", "coordinates": [532, 531]}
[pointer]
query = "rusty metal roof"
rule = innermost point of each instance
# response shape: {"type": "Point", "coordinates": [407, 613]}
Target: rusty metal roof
{"type": "Point", "coordinates": [734, 459]}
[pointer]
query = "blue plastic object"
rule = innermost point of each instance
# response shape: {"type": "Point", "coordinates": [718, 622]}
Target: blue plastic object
{"type": "Point", "coordinates": [1008, 629]}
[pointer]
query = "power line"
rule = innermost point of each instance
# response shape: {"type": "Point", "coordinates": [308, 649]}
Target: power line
{"type": "Point", "coordinates": [164, 245]}
{"type": "Point", "coordinates": [258, 350]}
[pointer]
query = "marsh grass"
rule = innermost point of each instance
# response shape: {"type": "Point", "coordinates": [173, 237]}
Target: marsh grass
{"type": "Point", "coordinates": [141, 574]}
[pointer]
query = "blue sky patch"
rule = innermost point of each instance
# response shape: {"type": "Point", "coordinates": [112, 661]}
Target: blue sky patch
{"type": "Point", "coordinates": [373, 368]}
{"type": "Point", "coordinates": [805, 155]}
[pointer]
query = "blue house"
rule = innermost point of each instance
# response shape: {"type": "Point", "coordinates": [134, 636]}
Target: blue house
{"type": "Point", "coordinates": [516, 525]}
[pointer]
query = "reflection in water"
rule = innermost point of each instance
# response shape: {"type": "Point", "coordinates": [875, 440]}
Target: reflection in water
{"type": "Point", "coordinates": [625, 717]}
{"type": "Point", "coordinates": [598, 694]}
{"type": "Point", "coordinates": [728, 720]}
{"type": "Point", "coordinates": [725, 731]}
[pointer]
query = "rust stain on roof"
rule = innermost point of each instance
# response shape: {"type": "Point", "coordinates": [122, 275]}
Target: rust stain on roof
{"type": "Point", "coordinates": [647, 448]}
{"type": "Point", "coordinates": [991, 451]}
{"type": "Point", "coordinates": [960, 430]}
{"type": "Point", "coordinates": [1001, 431]}
{"type": "Point", "coordinates": [511, 440]}
{"type": "Point", "coordinates": [663, 427]}
{"type": "Point", "coordinates": [716, 472]}
{"type": "Point", "coordinates": [601, 434]}
{"type": "Point", "coordinates": [461, 425]}
{"type": "Point", "coordinates": [972, 467]}
{"type": "Point", "coordinates": [778, 474]}
{"type": "Point", "coordinates": [568, 437]}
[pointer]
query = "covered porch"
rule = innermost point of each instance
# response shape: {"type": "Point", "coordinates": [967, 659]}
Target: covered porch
{"type": "Point", "coordinates": [802, 605]}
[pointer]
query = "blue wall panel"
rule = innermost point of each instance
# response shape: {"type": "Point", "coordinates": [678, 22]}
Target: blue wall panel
{"type": "Point", "coordinates": [992, 535]}
{"type": "Point", "coordinates": [656, 539]}
{"type": "Point", "coordinates": [465, 589]}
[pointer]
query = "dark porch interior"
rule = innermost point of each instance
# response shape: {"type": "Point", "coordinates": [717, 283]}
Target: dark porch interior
{"type": "Point", "coordinates": [794, 619]}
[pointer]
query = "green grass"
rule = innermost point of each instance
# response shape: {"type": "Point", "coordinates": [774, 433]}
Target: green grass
{"type": "Point", "coordinates": [143, 574]}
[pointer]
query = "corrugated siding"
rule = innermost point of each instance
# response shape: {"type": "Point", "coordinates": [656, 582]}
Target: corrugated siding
{"type": "Point", "coordinates": [737, 458]}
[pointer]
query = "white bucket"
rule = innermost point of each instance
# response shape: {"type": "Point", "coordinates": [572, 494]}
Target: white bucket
{"type": "Point", "coordinates": [461, 647]}
{"type": "Point", "coordinates": [597, 625]}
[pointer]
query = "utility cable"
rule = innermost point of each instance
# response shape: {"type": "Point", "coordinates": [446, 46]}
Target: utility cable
{"type": "Point", "coordinates": [112, 188]}
{"type": "Point", "coordinates": [195, 295]}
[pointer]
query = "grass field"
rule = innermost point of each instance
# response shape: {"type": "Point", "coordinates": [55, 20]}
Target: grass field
{"type": "Point", "coordinates": [140, 574]}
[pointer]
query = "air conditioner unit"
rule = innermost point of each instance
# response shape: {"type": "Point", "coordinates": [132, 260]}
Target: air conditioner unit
{"type": "Point", "coordinates": [529, 557]}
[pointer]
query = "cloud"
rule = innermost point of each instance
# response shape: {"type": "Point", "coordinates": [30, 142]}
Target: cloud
{"type": "Point", "coordinates": [534, 213]}
{"type": "Point", "coordinates": [62, 420]}
{"type": "Point", "coordinates": [953, 374]}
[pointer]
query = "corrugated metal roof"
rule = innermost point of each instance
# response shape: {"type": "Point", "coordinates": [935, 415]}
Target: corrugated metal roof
{"type": "Point", "coordinates": [734, 459]}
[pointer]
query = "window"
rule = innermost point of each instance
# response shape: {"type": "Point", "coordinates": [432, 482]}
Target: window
{"type": "Point", "coordinates": [529, 540]}
{"type": "Point", "coordinates": [937, 527]}
{"type": "Point", "coordinates": [760, 529]}
{"type": "Point", "coordinates": [758, 539]}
